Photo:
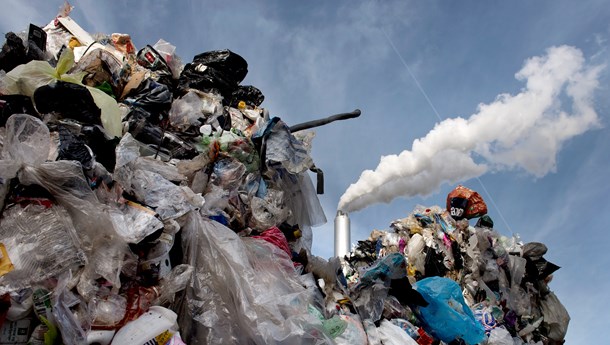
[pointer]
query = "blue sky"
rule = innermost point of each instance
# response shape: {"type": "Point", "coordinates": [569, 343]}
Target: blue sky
{"type": "Point", "coordinates": [317, 58]}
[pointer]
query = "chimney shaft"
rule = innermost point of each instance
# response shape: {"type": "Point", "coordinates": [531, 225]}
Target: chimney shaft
{"type": "Point", "coordinates": [342, 234]}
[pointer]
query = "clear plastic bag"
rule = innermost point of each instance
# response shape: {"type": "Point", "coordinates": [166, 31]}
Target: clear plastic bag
{"type": "Point", "coordinates": [238, 120]}
{"type": "Point", "coordinates": [168, 171]}
{"type": "Point", "coordinates": [370, 301]}
{"type": "Point", "coordinates": [354, 334]}
{"type": "Point", "coordinates": [228, 174]}
{"type": "Point", "coordinates": [168, 200]}
{"type": "Point", "coordinates": [107, 312]}
{"type": "Point", "coordinates": [500, 336]}
{"type": "Point", "coordinates": [393, 335]}
{"type": "Point", "coordinates": [149, 188]}
{"type": "Point", "coordinates": [393, 309]}
{"type": "Point", "coordinates": [168, 52]}
{"type": "Point", "coordinates": [516, 266]}
{"type": "Point", "coordinates": [195, 109]}
{"type": "Point", "coordinates": [519, 301]}
{"type": "Point", "coordinates": [176, 281]}
{"type": "Point", "coordinates": [416, 255]}
{"type": "Point", "coordinates": [73, 330]}
{"type": "Point", "coordinates": [268, 211]}
{"type": "Point", "coordinates": [372, 332]}
{"type": "Point", "coordinates": [134, 222]}
{"type": "Point", "coordinates": [27, 140]}
{"type": "Point", "coordinates": [244, 291]}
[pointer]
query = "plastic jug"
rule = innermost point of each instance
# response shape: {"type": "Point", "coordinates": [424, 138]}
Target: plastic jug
{"type": "Point", "coordinates": [158, 324]}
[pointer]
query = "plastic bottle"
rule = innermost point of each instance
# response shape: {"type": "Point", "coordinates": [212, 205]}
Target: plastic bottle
{"type": "Point", "coordinates": [158, 324]}
{"type": "Point", "coordinates": [100, 337]}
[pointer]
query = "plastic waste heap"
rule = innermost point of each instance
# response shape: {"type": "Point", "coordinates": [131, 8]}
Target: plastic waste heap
{"type": "Point", "coordinates": [147, 201]}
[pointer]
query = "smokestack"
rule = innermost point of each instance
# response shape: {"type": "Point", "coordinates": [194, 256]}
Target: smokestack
{"type": "Point", "coordinates": [342, 234]}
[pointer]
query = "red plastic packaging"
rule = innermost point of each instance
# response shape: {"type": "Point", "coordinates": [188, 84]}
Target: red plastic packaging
{"type": "Point", "coordinates": [463, 202]}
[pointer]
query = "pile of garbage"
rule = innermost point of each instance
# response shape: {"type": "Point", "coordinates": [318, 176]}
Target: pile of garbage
{"type": "Point", "coordinates": [144, 201]}
{"type": "Point", "coordinates": [436, 277]}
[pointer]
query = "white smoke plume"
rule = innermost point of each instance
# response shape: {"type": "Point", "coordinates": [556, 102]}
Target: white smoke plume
{"type": "Point", "coordinates": [522, 131]}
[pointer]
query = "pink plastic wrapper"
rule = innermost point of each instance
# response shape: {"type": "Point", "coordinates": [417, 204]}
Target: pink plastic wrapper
{"type": "Point", "coordinates": [275, 236]}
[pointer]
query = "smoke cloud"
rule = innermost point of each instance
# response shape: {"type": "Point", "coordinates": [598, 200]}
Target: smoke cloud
{"type": "Point", "coordinates": [523, 131]}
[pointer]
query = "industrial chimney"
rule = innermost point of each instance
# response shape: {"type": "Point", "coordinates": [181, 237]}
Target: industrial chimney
{"type": "Point", "coordinates": [342, 234]}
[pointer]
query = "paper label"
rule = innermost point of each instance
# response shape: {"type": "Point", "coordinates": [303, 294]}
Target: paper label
{"type": "Point", "coordinates": [161, 339]}
{"type": "Point", "coordinates": [15, 332]}
{"type": "Point", "coordinates": [334, 326]}
{"type": "Point", "coordinates": [5, 262]}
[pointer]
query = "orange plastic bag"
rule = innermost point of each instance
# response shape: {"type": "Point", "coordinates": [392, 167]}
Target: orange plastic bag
{"type": "Point", "coordinates": [465, 203]}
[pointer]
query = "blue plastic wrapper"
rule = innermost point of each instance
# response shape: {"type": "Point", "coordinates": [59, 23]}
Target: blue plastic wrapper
{"type": "Point", "coordinates": [447, 317]}
{"type": "Point", "coordinates": [392, 266]}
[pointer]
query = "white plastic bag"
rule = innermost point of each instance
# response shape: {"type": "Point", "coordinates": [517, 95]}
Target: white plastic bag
{"type": "Point", "coordinates": [393, 335]}
{"type": "Point", "coordinates": [500, 336]}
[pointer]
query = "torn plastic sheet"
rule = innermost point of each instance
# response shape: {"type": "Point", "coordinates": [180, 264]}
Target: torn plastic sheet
{"type": "Point", "coordinates": [256, 296]}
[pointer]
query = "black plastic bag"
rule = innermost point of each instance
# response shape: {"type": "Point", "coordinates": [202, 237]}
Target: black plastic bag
{"type": "Point", "coordinates": [405, 294]}
{"type": "Point", "coordinates": [158, 140]}
{"type": "Point", "coordinates": [249, 94]}
{"type": "Point", "coordinates": [15, 104]}
{"type": "Point", "coordinates": [13, 53]}
{"type": "Point", "coordinates": [142, 129]}
{"type": "Point", "coordinates": [153, 97]}
{"type": "Point", "coordinates": [207, 79]}
{"type": "Point", "coordinates": [86, 144]}
{"type": "Point", "coordinates": [73, 148]}
{"type": "Point", "coordinates": [226, 62]}
{"type": "Point", "coordinates": [68, 100]}
{"type": "Point", "coordinates": [178, 147]}
{"type": "Point", "coordinates": [102, 146]}
{"type": "Point", "coordinates": [218, 70]}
